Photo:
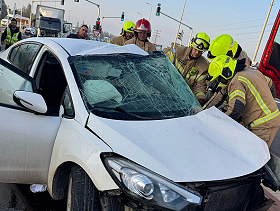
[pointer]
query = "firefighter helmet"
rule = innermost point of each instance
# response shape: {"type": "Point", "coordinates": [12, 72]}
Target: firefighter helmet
{"type": "Point", "coordinates": [200, 42]}
{"type": "Point", "coordinates": [143, 26]}
{"type": "Point", "coordinates": [223, 66]}
{"type": "Point", "coordinates": [222, 45]}
{"type": "Point", "coordinates": [128, 27]}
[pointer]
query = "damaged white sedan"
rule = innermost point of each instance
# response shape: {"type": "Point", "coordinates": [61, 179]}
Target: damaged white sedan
{"type": "Point", "coordinates": [115, 128]}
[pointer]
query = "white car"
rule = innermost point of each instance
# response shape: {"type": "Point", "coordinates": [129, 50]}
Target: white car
{"type": "Point", "coordinates": [115, 128]}
{"type": "Point", "coordinates": [29, 31]}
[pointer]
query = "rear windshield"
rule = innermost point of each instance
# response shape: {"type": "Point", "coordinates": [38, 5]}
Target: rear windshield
{"type": "Point", "coordinates": [134, 87]}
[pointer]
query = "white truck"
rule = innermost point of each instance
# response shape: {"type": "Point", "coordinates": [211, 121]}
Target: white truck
{"type": "Point", "coordinates": [50, 22]}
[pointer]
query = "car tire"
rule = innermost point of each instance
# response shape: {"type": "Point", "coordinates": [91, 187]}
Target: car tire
{"type": "Point", "coordinates": [83, 195]}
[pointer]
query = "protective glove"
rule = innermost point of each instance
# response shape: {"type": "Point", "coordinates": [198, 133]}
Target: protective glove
{"type": "Point", "coordinates": [202, 102]}
{"type": "Point", "coordinates": [240, 65]}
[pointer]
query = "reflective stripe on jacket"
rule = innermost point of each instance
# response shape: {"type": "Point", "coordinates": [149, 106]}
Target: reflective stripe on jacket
{"type": "Point", "coordinates": [215, 99]}
{"type": "Point", "coordinates": [11, 39]}
{"type": "Point", "coordinates": [251, 88]}
{"type": "Point", "coordinates": [194, 71]}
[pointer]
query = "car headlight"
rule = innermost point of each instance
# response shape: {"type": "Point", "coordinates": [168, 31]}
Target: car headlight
{"type": "Point", "coordinates": [149, 187]}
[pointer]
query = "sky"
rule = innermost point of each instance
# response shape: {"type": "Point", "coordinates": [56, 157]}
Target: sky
{"type": "Point", "coordinates": [242, 19]}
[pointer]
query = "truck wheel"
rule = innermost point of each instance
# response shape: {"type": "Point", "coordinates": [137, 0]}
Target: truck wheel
{"type": "Point", "coordinates": [82, 194]}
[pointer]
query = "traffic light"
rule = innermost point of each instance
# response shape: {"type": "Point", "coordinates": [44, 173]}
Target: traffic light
{"type": "Point", "coordinates": [158, 10]}
{"type": "Point", "coordinates": [62, 2]}
{"type": "Point", "coordinates": [122, 17]}
{"type": "Point", "coordinates": [179, 35]}
{"type": "Point", "coordinates": [97, 25]}
{"type": "Point", "coordinates": [76, 0]}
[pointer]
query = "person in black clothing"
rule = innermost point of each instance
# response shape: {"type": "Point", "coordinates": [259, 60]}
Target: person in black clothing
{"type": "Point", "coordinates": [81, 34]}
{"type": "Point", "coordinates": [11, 34]}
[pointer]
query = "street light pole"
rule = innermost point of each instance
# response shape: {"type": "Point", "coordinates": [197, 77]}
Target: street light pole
{"type": "Point", "coordinates": [139, 14]}
{"type": "Point", "coordinates": [179, 24]}
{"type": "Point", "coordinates": [182, 24]}
{"type": "Point", "coordinates": [98, 12]}
{"type": "Point", "coordinates": [84, 20]}
{"type": "Point", "coordinates": [150, 11]}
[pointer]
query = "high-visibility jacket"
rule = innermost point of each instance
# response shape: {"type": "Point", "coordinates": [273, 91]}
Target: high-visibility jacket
{"type": "Point", "coordinates": [260, 111]}
{"type": "Point", "coordinates": [215, 99]}
{"type": "Point", "coordinates": [194, 71]}
{"type": "Point", "coordinates": [120, 40]}
{"type": "Point", "coordinates": [10, 40]}
{"type": "Point", "coordinates": [146, 46]}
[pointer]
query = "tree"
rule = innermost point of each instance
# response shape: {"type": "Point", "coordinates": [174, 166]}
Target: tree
{"type": "Point", "coordinates": [4, 10]}
{"type": "Point", "coordinates": [26, 10]}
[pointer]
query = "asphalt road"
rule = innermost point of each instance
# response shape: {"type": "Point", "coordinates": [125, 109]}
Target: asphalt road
{"type": "Point", "coordinates": [20, 198]}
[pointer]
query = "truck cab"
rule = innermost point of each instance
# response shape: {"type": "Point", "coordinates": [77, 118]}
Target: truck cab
{"type": "Point", "coordinates": [270, 62]}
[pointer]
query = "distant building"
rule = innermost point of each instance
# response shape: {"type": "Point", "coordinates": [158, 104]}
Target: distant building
{"type": "Point", "coordinates": [21, 21]}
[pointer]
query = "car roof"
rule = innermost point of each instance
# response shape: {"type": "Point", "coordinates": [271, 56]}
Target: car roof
{"type": "Point", "coordinates": [88, 47]}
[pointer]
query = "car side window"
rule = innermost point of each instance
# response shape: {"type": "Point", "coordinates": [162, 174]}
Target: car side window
{"type": "Point", "coordinates": [22, 56]}
{"type": "Point", "coordinates": [68, 104]}
{"type": "Point", "coordinates": [51, 82]}
{"type": "Point", "coordinates": [12, 80]}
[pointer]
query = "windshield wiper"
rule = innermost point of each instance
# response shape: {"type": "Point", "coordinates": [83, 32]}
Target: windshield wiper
{"type": "Point", "coordinates": [123, 111]}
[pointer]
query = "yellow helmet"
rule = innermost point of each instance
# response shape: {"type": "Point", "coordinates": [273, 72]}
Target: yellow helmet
{"type": "Point", "coordinates": [128, 27]}
{"type": "Point", "coordinates": [222, 45]}
{"type": "Point", "coordinates": [223, 66]}
{"type": "Point", "coordinates": [200, 42]}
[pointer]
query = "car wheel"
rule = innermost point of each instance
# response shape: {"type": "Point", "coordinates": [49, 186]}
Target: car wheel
{"type": "Point", "coordinates": [82, 194]}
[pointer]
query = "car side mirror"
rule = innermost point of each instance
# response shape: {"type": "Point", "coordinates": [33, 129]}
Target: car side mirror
{"type": "Point", "coordinates": [31, 101]}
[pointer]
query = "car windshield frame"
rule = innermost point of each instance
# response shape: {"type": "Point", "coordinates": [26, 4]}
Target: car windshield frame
{"type": "Point", "coordinates": [132, 86]}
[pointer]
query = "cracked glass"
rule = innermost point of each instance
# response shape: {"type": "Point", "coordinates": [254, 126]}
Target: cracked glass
{"type": "Point", "coordinates": [129, 86]}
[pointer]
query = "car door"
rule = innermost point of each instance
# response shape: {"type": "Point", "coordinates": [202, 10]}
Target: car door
{"type": "Point", "coordinates": [26, 139]}
{"type": "Point", "coordinates": [270, 62]}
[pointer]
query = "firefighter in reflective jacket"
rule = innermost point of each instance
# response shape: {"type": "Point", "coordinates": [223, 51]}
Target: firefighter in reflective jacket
{"type": "Point", "coordinates": [192, 65]}
{"type": "Point", "coordinates": [142, 31]}
{"type": "Point", "coordinates": [11, 34]}
{"type": "Point", "coordinates": [249, 96]}
{"type": "Point", "coordinates": [223, 45]}
{"type": "Point", "coordinates": [126, 34]}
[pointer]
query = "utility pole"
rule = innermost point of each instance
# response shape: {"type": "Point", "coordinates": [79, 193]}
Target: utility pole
{"type": "Point", "coordinates": [179, 25]}
{"type": "Point", "coordinates": [260, 39]}
{"type": "Point", "coordinates": [14, 14]}
{"type": "Point", "coordinates": [156, 35]}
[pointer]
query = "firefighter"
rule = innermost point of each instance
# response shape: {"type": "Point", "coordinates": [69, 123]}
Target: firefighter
{"type": "Point", "coordinates": [126, 34]}
{"type": "Point", "coordinates": [249, 96]}
{"type": "Point", "coordinates": [223, 45]}
{"type": "Point", "coordinates": [142, 31]}
{"type": "Point", "coordinates": [11, 34]}
{"type": "Point", "coordinates": [192, 65]}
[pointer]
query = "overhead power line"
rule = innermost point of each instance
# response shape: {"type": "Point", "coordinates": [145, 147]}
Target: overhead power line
{"type": "Point", "coordinates": [236, 23]}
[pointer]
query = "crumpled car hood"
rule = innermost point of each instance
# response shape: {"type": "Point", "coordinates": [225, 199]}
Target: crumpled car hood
{"type": "Point", "coordinates": [204, 147]}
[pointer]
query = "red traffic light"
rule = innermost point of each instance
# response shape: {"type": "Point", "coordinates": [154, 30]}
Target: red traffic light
{"type": "Point", "coordinates": [97, 25]}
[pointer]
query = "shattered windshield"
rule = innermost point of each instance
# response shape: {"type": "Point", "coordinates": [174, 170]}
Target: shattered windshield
{"type": "Point", "coordinates": [129, 86]}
